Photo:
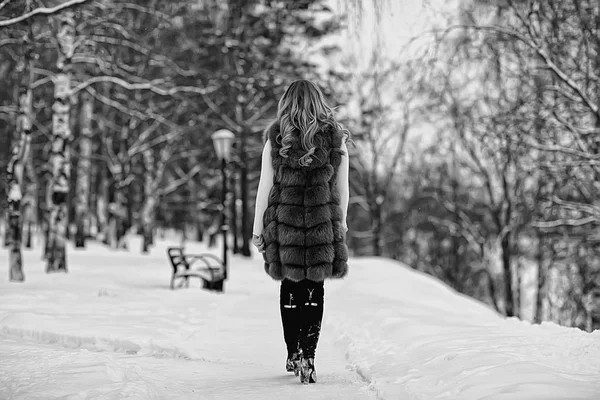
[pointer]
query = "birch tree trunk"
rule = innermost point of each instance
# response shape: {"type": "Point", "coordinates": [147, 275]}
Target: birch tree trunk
{"type": "Point", "coordinates": [30, 211]}
{"type": "Point", "coordinates": [83, 172]}
{"type": "Point", "coordinates": [16, 166]}
{"type": "Point", "coordinates": [58, 187]}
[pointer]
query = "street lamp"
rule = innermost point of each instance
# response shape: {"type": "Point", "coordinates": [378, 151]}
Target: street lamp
{"type": "Point", "coordinates": [222, 140]}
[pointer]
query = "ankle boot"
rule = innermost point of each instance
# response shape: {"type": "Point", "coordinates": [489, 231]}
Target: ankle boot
{"type": "Point", "coordinates": [307, 371]}
{"type": "Point", "coordinates": [292, 364]}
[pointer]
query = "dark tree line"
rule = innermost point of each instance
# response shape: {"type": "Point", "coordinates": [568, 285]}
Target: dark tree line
{"type": "Point", "coordinates": [111, 104]}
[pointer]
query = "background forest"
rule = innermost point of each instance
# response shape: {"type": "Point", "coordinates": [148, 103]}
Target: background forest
{"type": "Point", "coordinates": [476, 154]}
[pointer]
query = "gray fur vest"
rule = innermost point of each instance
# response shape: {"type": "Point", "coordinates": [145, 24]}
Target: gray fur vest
{"type": "Point", "coordinates": [303, 232]}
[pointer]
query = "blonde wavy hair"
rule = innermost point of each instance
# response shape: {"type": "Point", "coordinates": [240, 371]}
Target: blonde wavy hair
{"type": "Point", "coordinates": [302, 107]}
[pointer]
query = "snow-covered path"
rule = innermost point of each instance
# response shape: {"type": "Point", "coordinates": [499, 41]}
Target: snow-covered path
{"type": "Point", "coordinates": [111, 329]}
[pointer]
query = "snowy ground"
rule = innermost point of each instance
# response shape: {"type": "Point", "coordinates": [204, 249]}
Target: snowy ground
{"type": "Point", "coordinates": [111, 329]}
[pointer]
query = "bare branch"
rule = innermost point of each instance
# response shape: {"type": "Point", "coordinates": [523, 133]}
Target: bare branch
{"type": "Point", "coordinates": [559, 73]}
{"type": "Point", "coordinates": [572, 205]}
{"type": "Point", "coordinates": [565, 150]}
{"type": "Point", "coordinates": [40, 82]}
{"type": "Point", "coordinates": [115, 104]}
{"type": "Point", "coordinates": [457, 229]}
{"type": "Point", "coordinates": [133, 149]}
{"type": "Point", "coordinates": [4, 3]}
{"type": "Point", "coordinates": [573, 128]}
{"type": "Point", "coordinates": [129, 111]}
{"type": "Point", "coordinates": [175, 184]}
{"type": "Point", "coordinates": [159, 59]}
{"type": "Point", "coordinates": [261, 111]}
{"type": "Point", "coordinates": [42, 11]}
{"type": "Point", "coordinates": [5, 42]}
{"type": "Point", "coordinates": [564, 222]}
{"type": "Point", "coordinates": [224, 117]}
{"type": "Point", "coordinates": [8, 109]}
{"type": "Point", "coordinates": [169, 137]}
{"type": "Point", "coordinates": [143, 86]}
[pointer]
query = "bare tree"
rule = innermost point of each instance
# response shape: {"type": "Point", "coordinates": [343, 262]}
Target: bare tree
{"type": "Point", "coordinates": [20, 157]}
{"type": "Point", "coordinates": [379, 132]}
{"type": "Point", "coordinates": [58, 187]}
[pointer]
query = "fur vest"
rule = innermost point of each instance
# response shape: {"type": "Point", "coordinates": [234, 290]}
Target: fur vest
{"type": "Point", "coordinates": [303, 232]}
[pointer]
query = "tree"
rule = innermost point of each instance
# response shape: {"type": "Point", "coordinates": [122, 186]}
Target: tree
{"type": "Point", "coordinates": [58, 186]}
{"type": "Point", "coordinates": [83, 190]}
{"type": "Point", "coordinates": [20, 156]}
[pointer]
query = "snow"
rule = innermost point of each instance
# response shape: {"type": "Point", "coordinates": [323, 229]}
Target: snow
{"type": "Point", "coordinates": [112, 329]}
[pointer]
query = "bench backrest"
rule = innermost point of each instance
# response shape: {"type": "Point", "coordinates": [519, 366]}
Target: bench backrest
{"type": "Point", "coordinates": [177, 258]}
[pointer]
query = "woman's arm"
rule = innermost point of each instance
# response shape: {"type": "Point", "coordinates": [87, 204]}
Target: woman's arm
{"type": "Point", "coordinates": [343, 184]}
{"type": "Point", "coordinates": [264, 188]}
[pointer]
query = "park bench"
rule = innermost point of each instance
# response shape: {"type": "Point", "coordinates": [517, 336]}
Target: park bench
{"type": "Point", "coordinates": [207, 267]}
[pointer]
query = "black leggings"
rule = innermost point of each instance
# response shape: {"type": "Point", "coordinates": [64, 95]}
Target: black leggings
{"type": "Point", "coordinates": [301, 305]}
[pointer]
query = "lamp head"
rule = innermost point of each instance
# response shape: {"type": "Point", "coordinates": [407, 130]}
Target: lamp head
{"type": "Point", "coordinates": [222, 140]}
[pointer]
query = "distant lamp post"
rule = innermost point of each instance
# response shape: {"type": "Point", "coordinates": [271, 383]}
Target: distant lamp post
{"type": "Point", "coordinates": [222, 140]}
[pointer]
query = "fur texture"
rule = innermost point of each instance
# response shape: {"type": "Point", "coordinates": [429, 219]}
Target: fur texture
{"type": "Point", "coordinates": [303, 234]}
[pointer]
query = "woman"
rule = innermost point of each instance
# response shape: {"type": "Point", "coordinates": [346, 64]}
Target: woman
{"type": "Point", "coordinates": [300, 217]}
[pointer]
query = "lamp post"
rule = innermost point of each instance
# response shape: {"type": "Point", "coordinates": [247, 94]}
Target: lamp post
{"type": "Point", "coordinates": [222, 140]}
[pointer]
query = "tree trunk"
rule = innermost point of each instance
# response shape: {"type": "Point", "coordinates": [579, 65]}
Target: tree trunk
{"type": "Point", "coordinates": [488, 255]}
{"type": "Point", "coordinates": [199, 231]}
{"type": "Point", "coordinates": [507, 274]}
{"type": "Point", "coordinates": [15, 171]}
{"type": "Point", "coordinates": [148, 222]}
{"type": "Point", "coordinates": [234, 214]}
{"type": "Point", "coordinates": [31, 203]}
{"type": "Point", "coordinates": [244, 195]}
{"type": "Point", "coordinates": [376, 229]}
{"type": "Point", "coordinates": [150, 200]}
{"type": "Point", "coordinates": [83, 171]}
{"type": "Point", "coordinates": [541, 282]}
{"type": "Point", "coordinates": [6, 241]}
{"type": "Point", "coordinates": [518, 283]}
{"type": "Point", "coordinates": [28, 238]}
{"type": "Point", "coordinates": [16, 166]}
{"type": "Point", "coordinates": [58, 187]}
{"type": "Point", "coordinates": [102, 205]}
{"type": "Point", "coordinates": [119, 216]}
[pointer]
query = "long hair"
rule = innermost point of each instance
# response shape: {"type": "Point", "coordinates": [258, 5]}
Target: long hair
{"type": "Point", "coordinates": [302, 107]}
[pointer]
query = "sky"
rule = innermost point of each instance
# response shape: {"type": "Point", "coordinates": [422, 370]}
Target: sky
{"type": "Point", "coordinates": [401, 21]}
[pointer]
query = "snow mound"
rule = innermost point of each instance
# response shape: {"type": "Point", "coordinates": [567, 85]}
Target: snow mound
{"type": "Point", "coordinates": [413, 337]}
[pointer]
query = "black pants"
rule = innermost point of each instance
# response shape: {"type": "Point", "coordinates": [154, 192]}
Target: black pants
{"type": "Point", "coordinates": [301, 305]}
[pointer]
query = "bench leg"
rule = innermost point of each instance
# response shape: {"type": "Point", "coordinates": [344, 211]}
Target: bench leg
{"type": "Point", "coordinates": [217, 286]}
{"type": "Point", "coordinates": [183, 281]}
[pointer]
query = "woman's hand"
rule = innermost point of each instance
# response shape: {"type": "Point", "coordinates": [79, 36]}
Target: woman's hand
{"type": "Point", "coordinates": [259, 242]}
